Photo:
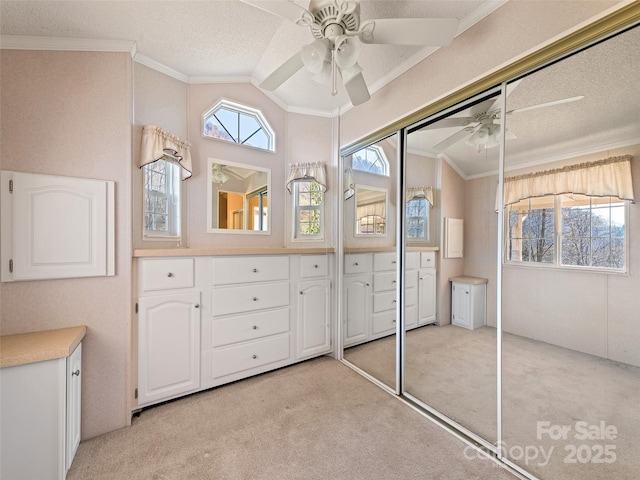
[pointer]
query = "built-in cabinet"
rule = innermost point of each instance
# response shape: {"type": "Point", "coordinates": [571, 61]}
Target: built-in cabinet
{"type": "Point", "coordinates": [468, 302]}
{"type": "Point", "coordinates": [209, 320]}
{"type": "Point", "coordinates": [370, 294]}
{"type": "Point", "coordinates": [41, 414]}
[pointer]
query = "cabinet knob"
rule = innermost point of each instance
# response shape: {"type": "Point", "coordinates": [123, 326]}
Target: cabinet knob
{"type": "Point", "coordinates": [367, 284]}
{"type": "Point", "coordinates": [393, 281]}
{"type": "Point", "coordinates": [393, 262]}
{"type": "Point", "coordinates": [255, 270]}
{"type": "Point", "coordinates": [255, 299]}
{"type": "Point", "coordinates": [255, 327]}
{"type": "Point", "coordinates": [356, 264]}
{"type": "Point", "coordinates": [393, 301]}
{"type": "Point", "coordinates": [254, 356]}
{"type": "Point", "coordinates": [315, 266]}
{"type": "Point", "coordinates": [197, 305]}
{"type": "Point", "coordinates": [301, 292]}
{"type": "Point", "coordinates": [76, 373]}
{"type": "Point", "coordinates": [393, 321]}
{"type": "Point", "coordinates": [169, 274]}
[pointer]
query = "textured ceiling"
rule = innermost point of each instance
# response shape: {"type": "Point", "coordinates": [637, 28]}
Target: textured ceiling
{"type": "Point", "coordinates": [214, 40]}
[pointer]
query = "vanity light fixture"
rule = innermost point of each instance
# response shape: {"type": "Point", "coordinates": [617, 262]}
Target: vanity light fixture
{"type": "Point", "coordinates": [217, 175]}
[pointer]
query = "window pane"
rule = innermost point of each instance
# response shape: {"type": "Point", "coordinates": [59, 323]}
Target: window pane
{"type": "Point", "coordinates": [229, 119]}
{"type": "Point", "coordinates": [259, 140]}
{"type": "Point", "coordinates": [531, 233]}
{"type": "Point", "coordinates": [239, 124]}
{"type": "Point", "coordinates": [213, 128]}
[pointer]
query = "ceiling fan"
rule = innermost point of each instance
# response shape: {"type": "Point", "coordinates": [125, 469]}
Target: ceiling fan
{"type": "Point", "coordinates": [338, 33]}
{"type": "Point", "coordinates": [480, 127]}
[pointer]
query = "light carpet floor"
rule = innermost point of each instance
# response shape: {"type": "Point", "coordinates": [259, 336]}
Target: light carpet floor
{"type": "Point", "coordinates": [454, 370]}
{"type": "Point", "coordinates": [314, 420]}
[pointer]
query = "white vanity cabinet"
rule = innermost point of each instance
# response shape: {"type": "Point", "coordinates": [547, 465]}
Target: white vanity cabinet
{"type": "Point", "coordinates": [168, 329]}
{"type": "Point", "coordinates": [40, 404]}
{"type": "Point", "coordinates": [427, 289]}
{"type": "Point", "coordinates": [468, 301]}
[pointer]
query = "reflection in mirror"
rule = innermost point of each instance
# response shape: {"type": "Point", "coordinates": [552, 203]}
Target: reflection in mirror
{"type": "Point", "coordinates": [238, 197]}
{"type": "Point", "coordinates": [571, 351]}
{"type": "Point", "coordinates": [371, 211]}
{"type": "Point", "coordinates": [370, 262]}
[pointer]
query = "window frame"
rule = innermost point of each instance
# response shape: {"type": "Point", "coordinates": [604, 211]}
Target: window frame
{"type": "Point", "coordinates": [173, 195]}
{"type": "Point", "coordinates": [557, 247]}
{"type": "Point", "coordinates": [425, 217]}
{"type": "Point", "coordinates": [381, 156]}
{"type": "Point", "coordinates": [297, 208]}
{"type": "Point", "coordinates": [245, 110]}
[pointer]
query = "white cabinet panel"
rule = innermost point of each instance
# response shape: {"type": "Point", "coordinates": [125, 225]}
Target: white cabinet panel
{"type": "Point", "coordinates": [74, 402]}
{"type": "Point", "coordinates": [57, 227]}
{"type": "Point", "coordinates": [230, 270]}
{"type": "Point", "coordinates": [248, 298]}
{"type": "Point", "coordinates": [169, 346]}
{"type": "Point", "coordinates": [427, 296]}
{"type": "Point", "coordinates": [355, 263]}
{"type": "Point", "coordinates": [314, 332]}
{"type": "Point", "coordinates": [468, 304]}
{"type": "Point", "coordinates": [166, 273]}
{"type": "Point", "coordinates": [357, 302]}
{"type": "Point", "coordinates": [250, 355]}
{"type": "Point", "coordinates": [241, 328]}
{"type": "Point", "coordinates": [384, 261]}
{"type": "Point", "coordinates": [314, 266]}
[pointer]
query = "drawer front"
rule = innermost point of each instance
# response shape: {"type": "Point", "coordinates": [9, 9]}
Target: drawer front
{"type": "Point", "coordinates": [384, 281]}
{"type": "Point", "coordinates": [166, 273]}
{"type": "Point", "coordinates": [355, 263]}
{"type": "Point", "coordinates": [384, 301]}
{"type": "Point", "coordinates": [230, 270]}
{"type": "Point", "coordinates": [384, 323]}
{"type": "Point", "coordinates": [427, 259]}
{"type": "Point", "coordinates": [248, 298]}
{"type": "Point", "coordinates": [241, 328]}
{"type": "Point", "coordinates": [246, 356]}
{"type": "Point", "coordinates": [314, 266]}
{"type": "Point", "coordinates": [413, 260]}
{"type": "Point", "coordinates": [384, 261]}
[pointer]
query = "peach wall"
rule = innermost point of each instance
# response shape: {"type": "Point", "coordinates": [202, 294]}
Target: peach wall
{"type": "Point", "coordinates": [69, 113]}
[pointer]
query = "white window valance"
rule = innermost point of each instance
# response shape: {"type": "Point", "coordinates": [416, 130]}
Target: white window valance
{"type": "Point", "coordinates": [158, 144]}
{"type": "Point", "coordinates": [414, 193]}
{"type": "Point", "coordinates": [307, 172]}
{"type": "Point", "coordinates": [610, 177]}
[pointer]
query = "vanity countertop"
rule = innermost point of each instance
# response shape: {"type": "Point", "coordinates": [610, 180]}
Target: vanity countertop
{"type": "Point", "coordinates": [35, 347]}
{"type": "Point", "coordinates": [205, 252]}
{"type": "Point", "coordinates": [470, 280]}
{"type": "Point", "coordinates": [387, 249]}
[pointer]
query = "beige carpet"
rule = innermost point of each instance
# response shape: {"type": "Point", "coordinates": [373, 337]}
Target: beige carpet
{"type": "Point", "coordinates": [453, 370]}
{"type": "Point", "coordinates": [314, 420]}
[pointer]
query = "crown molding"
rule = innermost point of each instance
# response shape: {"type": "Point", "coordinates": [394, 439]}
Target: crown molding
{"type": "Point", "coordinates": [142, 59]}
{"type": "Point", "coordinates": [24, 42]}
{"type": "Point", "coordinates": [205, 80]}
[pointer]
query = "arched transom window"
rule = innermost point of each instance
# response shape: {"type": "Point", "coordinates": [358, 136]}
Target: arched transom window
{"type": "Point", "coordinates": [371, 159]}
{"type": "Point", "coordinates": [238, 124]}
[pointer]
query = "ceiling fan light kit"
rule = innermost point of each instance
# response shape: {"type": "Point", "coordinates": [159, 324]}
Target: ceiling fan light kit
{"type": "Point", "coordinates": [335, 24]}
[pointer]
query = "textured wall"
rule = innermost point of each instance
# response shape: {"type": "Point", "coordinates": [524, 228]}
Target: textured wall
{"type": "Point", "coordinates": [69, 113]}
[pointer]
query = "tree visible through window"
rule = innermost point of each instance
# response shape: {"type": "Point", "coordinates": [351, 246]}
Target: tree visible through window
{"type": "Point", "coordinates": [371, 159]}
{"type": "Point", "coordinates": [161, 199]}
{"type": "Point", "coordinates": [308, 202]}
{"type": "Point", "coordinates": [418, 219]}
{"type": "Point", "coordinates": [238, 124]}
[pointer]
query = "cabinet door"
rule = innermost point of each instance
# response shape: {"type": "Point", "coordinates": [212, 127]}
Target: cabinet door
{"type": "Point", "coordinates": [74, 401]}
{"type": "Point", "coordinates": [314, 336]}
{"type": "Point", "coordinates": [169, 346]}
{"type": "Point", "coordinates": [461, 304]}
{"type": "Point", "coordinates": [427, 296]}
{"type": "Point", "coordinates": [357, 299]}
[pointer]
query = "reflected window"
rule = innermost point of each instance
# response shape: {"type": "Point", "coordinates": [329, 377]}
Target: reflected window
{"type": "Point", "coordinates": [308, 205]}
{"type": "Point", "coordinates": [238, 124]}
{"type": "Point", "coordinates": [418, 219]}
{"type": "Point", "coordinates": [591, 231]}
{"type": "Point", "coordinates": [161, 199]}
{"type": "Point", "coordinates": [257, 203]}
{"type": "Point", "coordinates": [372, 160]}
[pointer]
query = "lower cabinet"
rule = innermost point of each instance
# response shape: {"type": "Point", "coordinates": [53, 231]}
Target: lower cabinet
{"type": "Point", "coordinates": [357, 302]}
{"type": "Point", "coordinates": [168, 346]}
{"type": "Point", "coordinates": [221, 319]}
{"type": "Point", "coordinates": [40, 420]}
{"type": "Point", "coordinates": [427, 296]}
{"type": "Point", "coordinates": [468, 302]}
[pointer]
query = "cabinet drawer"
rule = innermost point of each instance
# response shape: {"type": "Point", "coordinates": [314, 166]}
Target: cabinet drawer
{"type": "Point", "coordinates": [427, 259]}
{"type": "Point", "coordinates": [384, 261]}
{"type": "Point", "coordinates": [166, 273]}
{"type": "Point", "coordinates": [241, 328]}
{"type": "Point", "coordinates": [229, 270]}
{"type": "Point", "coordinates": [384, 301]}
{"type": "Point", "coordinates": [355, 263]}
{"type": "Point", "coordinates": [314, 266]}
{"type": "Point", "coordinates": [246, 356]}
{"type": "Point", "coordinates": [383, 323]}
{"type": "Point", "coordinates": [413, 260]}
{"type": "Point", "coordinates": [384, 281]}
{"type": "Point", "coordinates": [248, 298]}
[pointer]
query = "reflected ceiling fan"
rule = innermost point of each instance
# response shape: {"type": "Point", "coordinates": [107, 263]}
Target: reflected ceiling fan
{"type": "Point", "coordinates": [338, 33]}
{"type": "Point", "coordinates": [480, 127]}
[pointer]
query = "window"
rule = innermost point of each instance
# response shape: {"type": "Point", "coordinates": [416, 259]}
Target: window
{"type": "Point", "coordinates": [161, 199]}
{"type": "Point", "coordinates": [308, 204]}
{"type": "Point", "coordinates": [238, 124]}
{"type": "Point", "coordinates": [568, 230]}
{"type": "Point", "coordinates": [257, 204]}
{"type": "Point", "coordinates": [418, 219]}
{"type": "Point", "coordinates": [372, 160]}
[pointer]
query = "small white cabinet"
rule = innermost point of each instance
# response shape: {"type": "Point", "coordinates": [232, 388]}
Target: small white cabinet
{"type": "Point", "coordinates": [427, 312]}
{"type": "Point", "coordinates": [468, 302]}
{"type": "Point", "coordinates": [313, 299]}
{"type": "Point", "coordinates": [40, 413]}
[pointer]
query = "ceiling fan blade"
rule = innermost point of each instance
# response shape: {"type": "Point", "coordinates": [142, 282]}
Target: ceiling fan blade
{"type": "Point", "coordinates": [285, 9]}
{"type": "Point", "coordinates": [283, 73]}
{"type": "Point", "coordinates": [449, 123]}
{"type": "Point", "coordinates": [456, 137]}
{"type": "Point", "coordinates": [547, 104]}
{"type": "Point", "coordinates": [409, 31]}
{"type": "Point", "coordinates": [355, 85]}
